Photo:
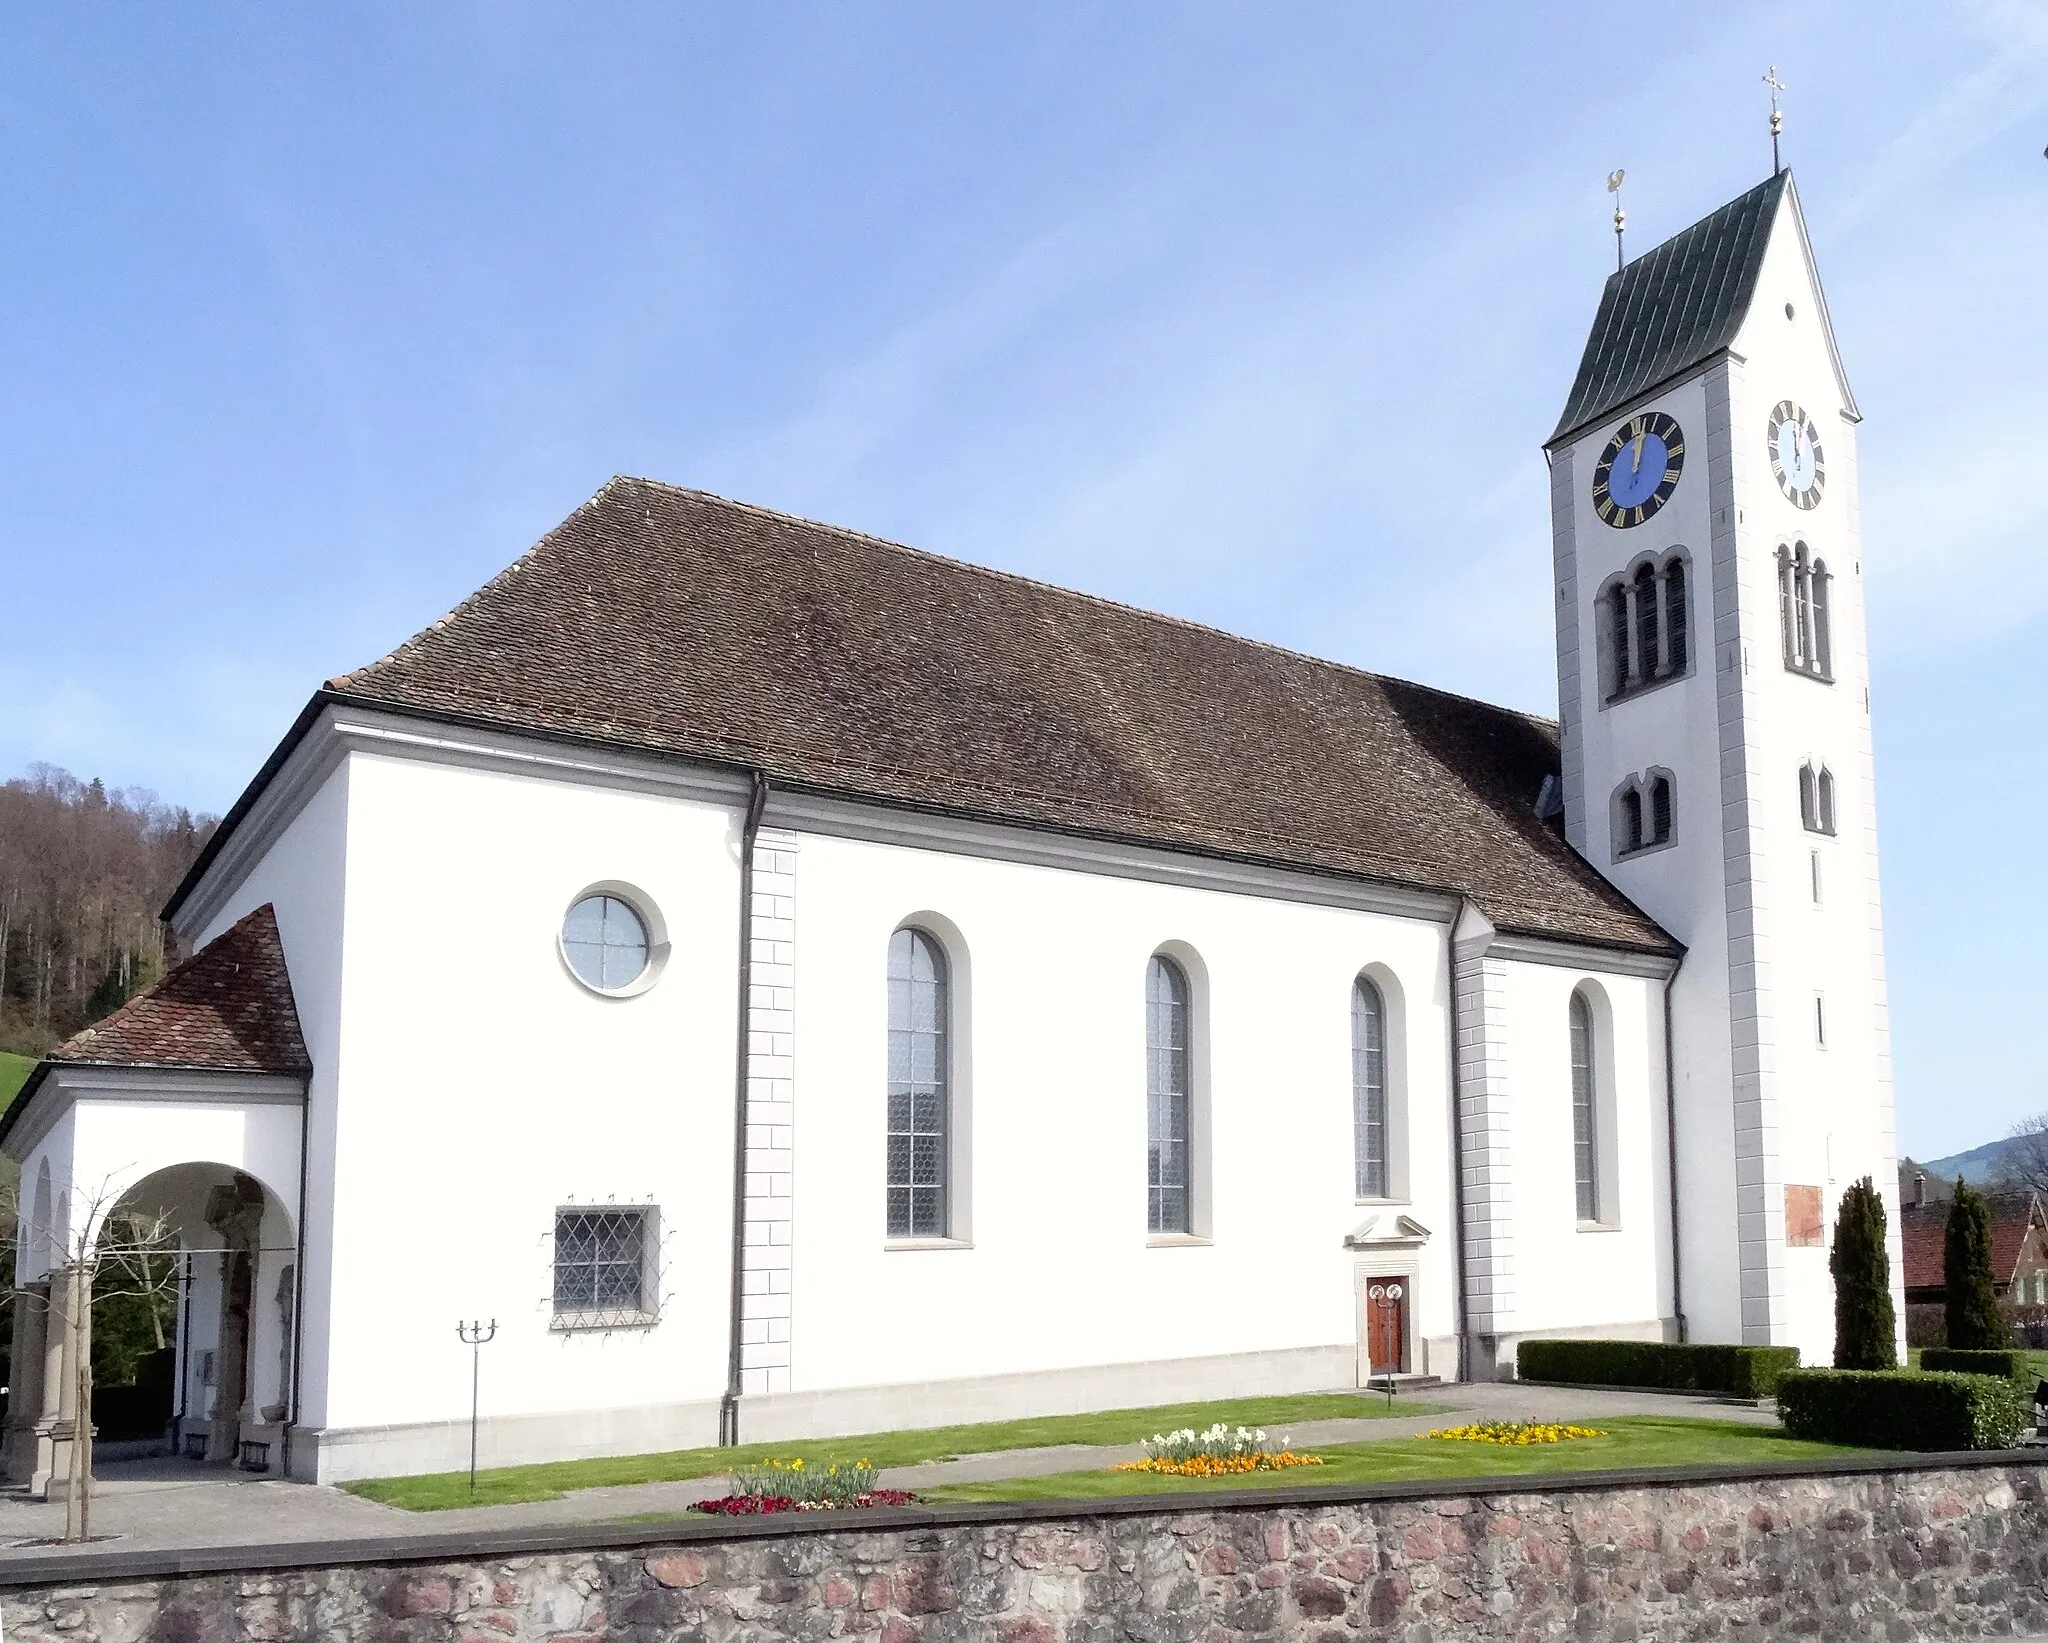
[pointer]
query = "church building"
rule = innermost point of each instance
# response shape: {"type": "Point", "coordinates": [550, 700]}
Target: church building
{"type": "Point", "coordinates": [795, 984]}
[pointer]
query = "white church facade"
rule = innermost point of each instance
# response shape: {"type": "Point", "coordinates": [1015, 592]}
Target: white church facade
{"type": "Point", "coordinates": [794, 984]}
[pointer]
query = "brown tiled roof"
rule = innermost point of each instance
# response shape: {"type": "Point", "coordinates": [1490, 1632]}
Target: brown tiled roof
{"type": "Point", "coordinates": [227, 1008]}
{"type": "Point", "coordinates": [684, 624]}
{"type": "Point", "coordinates": [1923, 1236]}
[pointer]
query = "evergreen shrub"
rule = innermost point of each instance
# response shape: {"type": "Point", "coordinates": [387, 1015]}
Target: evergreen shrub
{"type": "Point", "coordinates": [1866, 1328]}
{"type": "Point", "coordinates": [1970, 1293]}
{"type": "Point", "coordinates": [1884, 1409]}
{"type": "Point", "coordinates": [1735, 1371]}
{"type": "Point", "coordinates": [2010, 1366]}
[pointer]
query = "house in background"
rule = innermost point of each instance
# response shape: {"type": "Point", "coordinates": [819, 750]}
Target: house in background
{"type": "Point", "coordinates": [2019, 1254]}
{"type": "Point", "coordinates": [797, 984]}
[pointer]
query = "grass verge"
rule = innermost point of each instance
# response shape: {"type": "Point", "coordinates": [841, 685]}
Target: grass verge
{"type": "Point", "coordinates": [1635, 1440]}
{"type": "Point", "coordinates": [502, 1486]}
{"type": "Point", "coordinates": [14, 1071]}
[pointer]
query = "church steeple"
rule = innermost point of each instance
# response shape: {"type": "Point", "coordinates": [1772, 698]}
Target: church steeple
{"type": "Point", "coordinates": [1712, 681]}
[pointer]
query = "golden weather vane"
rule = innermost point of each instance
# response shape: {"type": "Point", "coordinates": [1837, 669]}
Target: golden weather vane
{"type": "Point", "coordinates": [1777, 118]}
{"type": "Point", "coordinates": [1620, 216]}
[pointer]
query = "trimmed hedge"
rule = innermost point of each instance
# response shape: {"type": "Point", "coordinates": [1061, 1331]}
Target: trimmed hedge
{"type": "Point", "coordinates": [1886, 1409]}
{"type": "Point", "coordinates": [1736, 1371]}
{"type": "Point", "coordinates": [2010, 1366]}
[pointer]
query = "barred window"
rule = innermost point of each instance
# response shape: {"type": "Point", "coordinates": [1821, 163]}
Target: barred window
{"type": "Point", "coordinates": [1585, 1111]}
{"type": "Point", "coordinates": [601, 1267]}
{"type": "Point", "coordinates": [1369, 1087]}
{"type": "Point", "coordinates": [1166, 1097]}
{"type": "Point", "coordinates": [920, 1088]}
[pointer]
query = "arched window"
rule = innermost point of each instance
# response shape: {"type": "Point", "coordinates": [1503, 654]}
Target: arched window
{"type": "Point", "coordinates": [1644, 812]}
{"type": "Point", "coordinates": [1648, 662]}
{"type": "Point", "coordinates": [1816, 798]}
{"type": "Point", "coordinates": [1632, 818]}
{"type": "Point", "coordinates": [1618, 633]}
{"type": "Point", "coordinates": [1167, 1104]}
{"type": "Point", "coordinates": [1823, 645]}
{"type": "Point", "coordinates": [1660, 809]}
{"type": "Point", "coordinates": [920, 1087]}
{"type": "Point", "coordinates": [1585, 1111]}
{"type": "Point", "coordinates": [1803, 612]}
{"type": "Point", "coordinates": [1369, 1087]}
{"type": "Point", "coordinates": [1647, 625]}
{"type": "Point", "coordinates": [1676, 638]}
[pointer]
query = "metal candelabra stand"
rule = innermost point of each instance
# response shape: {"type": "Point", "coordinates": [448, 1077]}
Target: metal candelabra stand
{"type": "Point", "coordinates": [474, 1335]}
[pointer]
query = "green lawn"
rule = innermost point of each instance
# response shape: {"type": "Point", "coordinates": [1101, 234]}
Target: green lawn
{"type": "Point", "coordinates": [1636, 1440]}
{"type": "Point", "coordinates": [14, 1071]}
{"type": "Point", "coordinates": [551, 1480]}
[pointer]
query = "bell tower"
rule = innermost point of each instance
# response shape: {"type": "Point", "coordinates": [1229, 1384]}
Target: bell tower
{"type": "Point", "coordinates": [1714, 707]}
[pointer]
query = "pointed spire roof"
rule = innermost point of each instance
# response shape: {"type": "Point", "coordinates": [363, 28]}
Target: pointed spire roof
{"type": "Point", "coordinates": [1674, 307]}
{"type": "Point", "coordinates": [227, 1008]}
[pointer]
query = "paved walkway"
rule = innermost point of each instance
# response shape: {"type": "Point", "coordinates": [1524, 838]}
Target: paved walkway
{"type": "Point", "coordinates": [155, 1504]}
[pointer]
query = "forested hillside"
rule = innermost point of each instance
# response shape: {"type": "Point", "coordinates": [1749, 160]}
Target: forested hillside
{"type": "Point", "coordinates": [82, 874]}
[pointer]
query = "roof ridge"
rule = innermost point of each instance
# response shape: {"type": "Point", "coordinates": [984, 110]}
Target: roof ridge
{"type": "Point", "coordinates": [1018, 579]}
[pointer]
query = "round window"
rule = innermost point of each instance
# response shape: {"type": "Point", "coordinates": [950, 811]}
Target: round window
{"type": "Point", "coordinates": [605, 941]}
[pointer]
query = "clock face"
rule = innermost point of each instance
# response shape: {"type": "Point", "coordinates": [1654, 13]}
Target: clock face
{"type": "Point", "coordinates": [1796, 458]}
{"type": "Point", "coordinates": [1639, 469]}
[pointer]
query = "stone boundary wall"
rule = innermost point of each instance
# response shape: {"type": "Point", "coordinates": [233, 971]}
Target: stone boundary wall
{"type": "Point", "coordinates": [1942, 1551]}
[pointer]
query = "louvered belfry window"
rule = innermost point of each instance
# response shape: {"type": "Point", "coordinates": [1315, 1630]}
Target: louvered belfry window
{"type": "Point", "coordinates": [1660, 809]}
{"type": "Point", "coordinates": [1648, 626]}
{"type": "Point", "coordinates": [1369, 1087]}
{"type": "Point", "coordinates": [1585, 1111]}
{"type": "Point", "coordinates": [1803, 612]}
{"type": "Point", "coordinates": [919, 1162]}
{"type": "Point", "coordinates": [1167, 1103]}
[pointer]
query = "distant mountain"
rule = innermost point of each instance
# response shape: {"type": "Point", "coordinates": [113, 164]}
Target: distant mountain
{"type": "Point", "coordinates": [1977, 1166]}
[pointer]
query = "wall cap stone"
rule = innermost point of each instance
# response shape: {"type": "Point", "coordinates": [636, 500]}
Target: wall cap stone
{"type": "Point", "coordinates": [24, 1567]}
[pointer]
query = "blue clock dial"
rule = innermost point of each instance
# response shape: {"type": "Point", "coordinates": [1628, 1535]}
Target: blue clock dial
{"type": "Point", "coordinates": [1639, 470]}
{"type": "Point", "coordinates": [1797, 460]}
{"type": "Point", "coordinates": [1638, 466]}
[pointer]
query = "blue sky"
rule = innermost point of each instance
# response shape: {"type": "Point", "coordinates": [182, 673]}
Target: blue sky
{"type": "Point", "coordinates": [316, 317]}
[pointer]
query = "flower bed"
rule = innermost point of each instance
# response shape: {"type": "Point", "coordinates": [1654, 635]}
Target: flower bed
{"type": "Point", "coordinates": [1516, 1434]}
{"type": "Point", "coordinates": [791, 1486]}
{"type": "Point", "coordinates": [1218, 1452]}
{"type": "Point", "coordinates": [752, 1505]}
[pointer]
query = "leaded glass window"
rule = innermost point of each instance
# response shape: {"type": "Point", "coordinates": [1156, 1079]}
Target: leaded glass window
{"type": "Point", "coordinates": [1369, 1087]}
{"type": "Point", "coordinates": [1585, 1111]}
{"type": "Point", "coordinates": [1166, 1097]}
{"type": "Point", "coordinates": [601, 1266]}
{"type": "Point", "coordinates": [605, 941]}
{"type": "Point", "coordinates": [919, 1162]}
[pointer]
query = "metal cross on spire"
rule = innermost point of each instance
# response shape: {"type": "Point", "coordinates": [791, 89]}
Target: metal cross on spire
{"type": "Point", "coordinates": [1777, 118]}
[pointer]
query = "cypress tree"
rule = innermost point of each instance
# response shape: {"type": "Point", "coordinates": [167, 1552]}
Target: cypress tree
{"type": "Point", "coordinates": [1974, 1321]}
{"type": "Point", "coordinates": [1865, 1325]}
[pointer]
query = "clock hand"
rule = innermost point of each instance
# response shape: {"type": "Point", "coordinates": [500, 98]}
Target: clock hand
{"type": "Point", "coordinates": [1636, 458]}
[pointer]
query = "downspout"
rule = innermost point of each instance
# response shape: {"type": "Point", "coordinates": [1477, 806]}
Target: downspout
{"type": "Point", "coordinates": [291, 1419]}
{"type": "Point", "coordinates": [1457, 1142]}
{"type": "Point", "coordinates": [729, 1405]}
{"type": "Point", "coordinates": [1671, 1159]}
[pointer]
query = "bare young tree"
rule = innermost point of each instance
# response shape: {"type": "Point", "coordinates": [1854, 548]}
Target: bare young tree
{"type": "Point", "coordinates": [118, 1250]}
{"type": "Point", "coordinates": [2024, 1162]}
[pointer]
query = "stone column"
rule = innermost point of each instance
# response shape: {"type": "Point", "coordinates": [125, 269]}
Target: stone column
{"type": "Point", "coordinates": [57, 1425]}
{"type": "Point", "coordinates": [236, 1213]}
{"type": "Point", "coordinates": [25, 1396]}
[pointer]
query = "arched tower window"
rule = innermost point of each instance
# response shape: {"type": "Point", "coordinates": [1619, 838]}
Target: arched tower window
{"type": "Point", "coordinates": [1803, 613]}
{"type": "Point", "coordinates": [1167, 1097]}
{"type": "Point", "coordinates": [1816, 798]}
{"type": "Point", "coordinates": [1585, 1111]}
{"type": "Point", "coordinates": [1644, 812]}
{"type": "Point", "coordinates": [920, 1087]}
{"type": "Point", "coordinates": [1369, 1087]}
{"type": "Point", "coordinates": [1660, 809]}
{"type": "Point", "coordinates": [1647, 621]}
{"type": "Point", "coordinates": [1676, 638]}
